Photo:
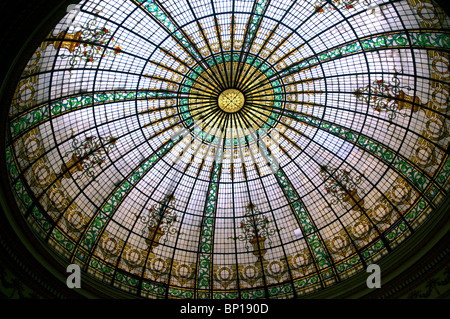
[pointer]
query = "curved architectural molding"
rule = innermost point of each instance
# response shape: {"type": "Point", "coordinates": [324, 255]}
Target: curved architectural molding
{"type": "Point", "coordinates": [357, 197]}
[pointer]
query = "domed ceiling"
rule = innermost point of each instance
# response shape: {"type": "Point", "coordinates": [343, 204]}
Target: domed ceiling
{"type": "Point", "coordinates": [232, 149]}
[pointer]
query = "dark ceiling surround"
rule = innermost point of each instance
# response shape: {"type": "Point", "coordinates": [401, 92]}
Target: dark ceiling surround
{"type": "Point", "coordinates": [29, 270]}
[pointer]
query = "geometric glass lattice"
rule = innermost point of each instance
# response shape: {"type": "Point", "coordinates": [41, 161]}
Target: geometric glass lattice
{"type": "Point", "coordinates": [232, 149]}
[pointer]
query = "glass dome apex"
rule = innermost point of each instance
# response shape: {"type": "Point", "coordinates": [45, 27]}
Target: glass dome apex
{"type": "Point", "coordinates": [232, 149]}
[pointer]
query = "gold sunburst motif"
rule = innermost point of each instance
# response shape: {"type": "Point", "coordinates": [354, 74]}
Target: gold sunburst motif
{"type": "Point", "coordinates": [208, 100]}
{"type": "Point", "coordinates": [231, 100]}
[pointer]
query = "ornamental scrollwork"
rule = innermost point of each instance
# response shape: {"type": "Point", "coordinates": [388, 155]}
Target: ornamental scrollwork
{"type": "Point", "coordinates": [89, 44]}
{"type": "Point", "coordinates": [159, 221]}
{"type": "Point", "coordinates": [256, 230]}
{"type": "Point", "coordinates": [342, 186]}
{"type": "Point", "coordinates": [86, 154]}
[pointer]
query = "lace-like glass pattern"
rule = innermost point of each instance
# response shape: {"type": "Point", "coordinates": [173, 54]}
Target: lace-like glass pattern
{"type": "Point", "coordinates": [232, 149]}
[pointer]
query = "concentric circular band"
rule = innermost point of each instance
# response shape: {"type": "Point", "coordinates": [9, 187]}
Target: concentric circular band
{"type": "Point", "coordinates": [252, 119]}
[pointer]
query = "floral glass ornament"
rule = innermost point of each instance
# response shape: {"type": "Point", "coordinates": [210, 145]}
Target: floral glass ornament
{"type": "Point", "coordinates": [256, 230]}
{"type": "Point", "coordinates": [389, 97]}
{"type": "Point", "coordinates": [93, 42]}
{"type": "Point", "coordinates": [159, 221]}
{"type": "Point", "coordinates": [323, 5]}
{"type": "Point", "coordinates": [86, 155]}
{"type": "Point", "coordinates": [342, 186]}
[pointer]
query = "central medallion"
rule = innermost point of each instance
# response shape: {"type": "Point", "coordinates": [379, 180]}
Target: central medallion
{"type": "Point", "coordinates": [231, 100]}
{"type": "Point", "coordinates": [216, 97]}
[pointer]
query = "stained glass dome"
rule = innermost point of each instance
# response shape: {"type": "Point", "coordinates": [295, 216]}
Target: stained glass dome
{"type": "Point", "coordinates": [231, 149]}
